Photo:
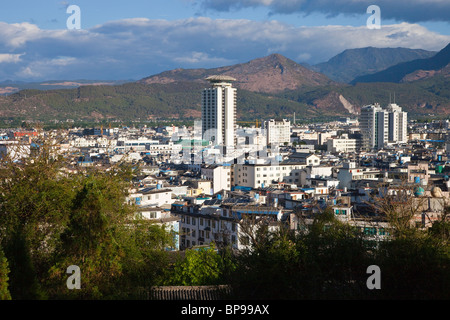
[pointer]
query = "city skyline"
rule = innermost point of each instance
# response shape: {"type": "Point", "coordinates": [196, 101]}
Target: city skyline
{"type": "Point", "coordinates": [193, 150]}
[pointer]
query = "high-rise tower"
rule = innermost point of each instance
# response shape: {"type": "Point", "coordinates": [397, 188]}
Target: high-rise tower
{"type": "Point", "coordinates": [219, 111]}
{"type": "Point", "coordinates": [374, 124]}
{"type": "Point", "coordinates": [398, 123]}
{"type": "Point", "coordinates": [381, 126]}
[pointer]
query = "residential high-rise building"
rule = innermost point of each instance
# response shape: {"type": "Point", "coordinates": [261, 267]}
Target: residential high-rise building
{"type": "Point", "coordinates": [398, 123]}
{"type": "Point", "coordinates": [381, 126]}
{"type": "Point", "coordinates": [374, 125]}
{"type": "Point", "coordinates": [278, 131]}
{"type": "Point", "coordinates": [219, 111]}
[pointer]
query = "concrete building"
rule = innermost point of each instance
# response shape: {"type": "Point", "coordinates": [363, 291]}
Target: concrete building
{"type": "Point", "coordinates": [341, 144]}
{"type": "Point", "coordinates": [256, 175]}
{"type": "Point", "coordinates": [14, 150]}
{"type": "Point", "coordinates": [222, 224]}
{"type": "Point", "coordinates": [418, 173]}
{"type": "Point", "coordinates": [381, 126]}
{"type": "Point", "coordinates": [374, 125]}
{"type": "Point", "coordinates": [138, 145]}
{"type": "Point", "coordinates": [219, 175]}
{"type": "Point", "coordinates": [398, 124]}
{"type": "Point", "coordinates": [219, 111]}
{"type": "Point", "coordinates": [151, 197]}
{"type": "Point", "coordinates": [308, 159]}
{"type": "Point", "coordinates": [350, 172]}
{"type": "Point", "coordinates": [278, 131]}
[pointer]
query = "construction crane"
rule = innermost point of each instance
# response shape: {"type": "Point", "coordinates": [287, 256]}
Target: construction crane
{"type": "Point", "coordinates": [101, 128]}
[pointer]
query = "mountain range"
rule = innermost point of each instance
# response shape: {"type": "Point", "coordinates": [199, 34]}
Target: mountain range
{"type": "Point", "coordinates": [412, 70]}
{"type": "Point", "coordinates": [271, 86]}
{"type": "Point", "coordinates": [353, 63]}
{"type": "Point", "coordinates": [271, 74]}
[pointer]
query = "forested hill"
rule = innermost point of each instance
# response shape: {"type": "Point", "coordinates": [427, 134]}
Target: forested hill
{"type": "Point", "coordinates": [283, 88]}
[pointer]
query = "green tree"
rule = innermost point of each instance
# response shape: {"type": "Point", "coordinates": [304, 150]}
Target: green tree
{"type": "Point", "coordinates": [34, 199]}
{"type": "Point", "coordinates": [4, 271]}
{"type": "Point", "coordinates": [202, 266]}
{"type": "Point", "coordinates": [96, 235]}
{"type": "Point", "coordinates": [325, 260]}
{"type": "Point", "coordinates": [50, 219]}
{"type": "Point", "coordinates": [414, 268]}
{"type": "Point", "coordinates": [147, 262]}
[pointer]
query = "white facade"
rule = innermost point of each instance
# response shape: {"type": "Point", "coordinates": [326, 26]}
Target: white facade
{"type": "Point", "coordinates": [260, 175]}
{"type": "Point", "coordinates": [219, 175]}
{"type": "Point", "coordinates": [14, 150]}
{"type": "Point", "coordinates": [164, 148]}
{"type": "Point", "coordinates": [350, 172]}
{"type": "Point", "coordinates": [379, 126]}
{"type": "Point", "coordinates": [342, 144]}
{"type": "Point", "coordinates": [398, 124]}
{"type": "Point", "coordinates": [83, 142]}
{"type": "Point", "coordinates": [151, 197]}
{"type": "Point", "coordinates": [140, 144]}
{"type": "Point", "coordinates": [219, 111]}
{"type": "Point", "coordinates": [278, 131]}
{"type": "Point", "coordinates": [374, 127]}
{"type": "Point", "coordinates": [216, 224]}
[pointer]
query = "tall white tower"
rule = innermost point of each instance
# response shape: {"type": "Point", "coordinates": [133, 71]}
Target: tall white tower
{"type": "Point", "coordinates": [219, 111]}
{"type": "Point", "coordinates": [398, 123]}
{"type": "Point", "coordinates": [374, 125]}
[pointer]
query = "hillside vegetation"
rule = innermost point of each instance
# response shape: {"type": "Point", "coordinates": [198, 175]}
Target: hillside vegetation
{"type": "Point", "coordinates": [273, 86]}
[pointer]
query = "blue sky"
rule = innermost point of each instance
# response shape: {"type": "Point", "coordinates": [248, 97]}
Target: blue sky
{"type": "Point", "coordinates": [137, 38]}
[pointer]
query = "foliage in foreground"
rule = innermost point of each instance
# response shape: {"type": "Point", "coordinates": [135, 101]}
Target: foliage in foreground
{"type": "Point", "coordinates": [330, 261]}
{"type": "Point", "coordinates": [51, 219]}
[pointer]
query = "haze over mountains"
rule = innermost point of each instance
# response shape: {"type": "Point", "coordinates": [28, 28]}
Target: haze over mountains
{"type": "Point", "coordinates": [271, 86]}
{"type": "Point", "coordinates": [353, 63]}
{"type": "Point", "coordinates": [412, 70]}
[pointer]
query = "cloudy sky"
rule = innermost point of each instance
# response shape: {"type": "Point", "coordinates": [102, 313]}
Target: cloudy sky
{"type": "Point", "coordinates": [123, 40]}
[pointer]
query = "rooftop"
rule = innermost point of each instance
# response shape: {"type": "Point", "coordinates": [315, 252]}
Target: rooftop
{"type": "Point", "coordinates": [219, 78]}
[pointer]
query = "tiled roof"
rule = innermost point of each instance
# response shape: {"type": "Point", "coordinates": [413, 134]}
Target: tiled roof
{"type": "Point", "coordinates": [190, 292]}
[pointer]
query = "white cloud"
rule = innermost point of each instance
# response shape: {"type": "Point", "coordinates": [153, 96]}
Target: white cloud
{"type": "Point", "coordinates": [400, 10]}
{"type": "Point", "coordinates": [136, 48]}
{"type": "Point", "coordinates": [17, 34]}
{"type": "Point", "coordinates": [10, 58]}
{"type": "Point", "coordinates": [199, 58]}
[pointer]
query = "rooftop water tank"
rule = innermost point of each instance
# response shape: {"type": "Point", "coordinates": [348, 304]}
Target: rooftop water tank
{"type": "Point", "coordinates": [419, 191]}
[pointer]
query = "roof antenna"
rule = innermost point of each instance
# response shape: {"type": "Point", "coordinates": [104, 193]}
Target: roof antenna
{"type": "Point", "coordinates": [389, 98]}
